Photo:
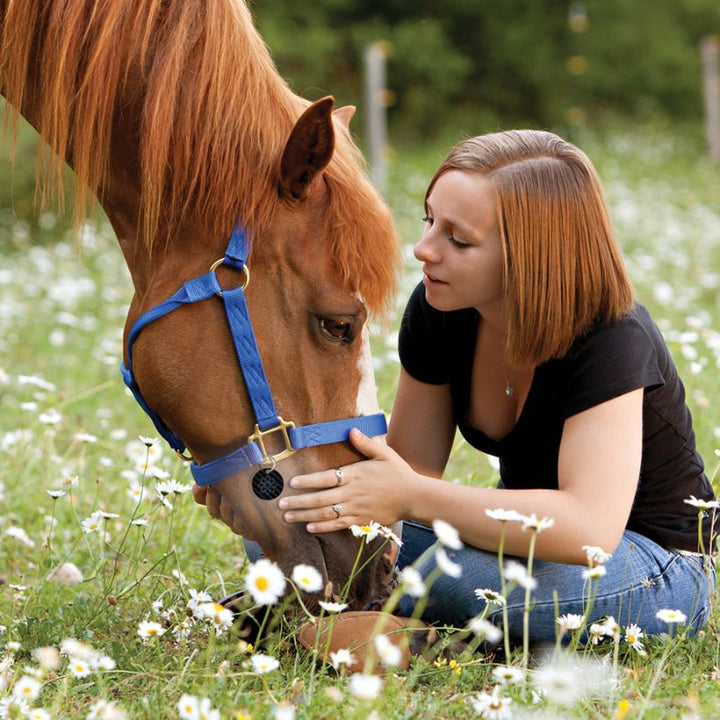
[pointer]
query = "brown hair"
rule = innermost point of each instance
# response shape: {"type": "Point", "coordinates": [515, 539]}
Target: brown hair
{"type": "Point", "coordinates": [563, 268]}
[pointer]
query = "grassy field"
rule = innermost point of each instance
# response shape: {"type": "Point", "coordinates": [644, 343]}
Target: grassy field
{"type": "Point", "coordinates": [74, 488]}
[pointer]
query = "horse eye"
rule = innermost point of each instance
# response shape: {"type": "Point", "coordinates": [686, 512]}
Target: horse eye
{"type": "Point", "coordinates": [336, 330]}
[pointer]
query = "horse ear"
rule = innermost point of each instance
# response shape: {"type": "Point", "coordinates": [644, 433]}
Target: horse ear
{"type": "Point", "coordinates": [308, 149]}
{"type": "Point", "coordinates": [345, 114]}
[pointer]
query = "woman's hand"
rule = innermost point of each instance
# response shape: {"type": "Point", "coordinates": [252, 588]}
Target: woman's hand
{"type": "Point", "coordinates": [375, 489]}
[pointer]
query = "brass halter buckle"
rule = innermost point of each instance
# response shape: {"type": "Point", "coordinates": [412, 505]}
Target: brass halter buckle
{"type": "Point", "coordinates": [258, 435]}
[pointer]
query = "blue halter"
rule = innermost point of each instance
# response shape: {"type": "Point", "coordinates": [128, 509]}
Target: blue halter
{"type": "Point", "coordinates": [254, 454]}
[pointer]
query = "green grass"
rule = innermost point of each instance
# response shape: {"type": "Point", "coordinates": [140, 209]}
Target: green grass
{"type": "Point", "coordinates": [61, 315]}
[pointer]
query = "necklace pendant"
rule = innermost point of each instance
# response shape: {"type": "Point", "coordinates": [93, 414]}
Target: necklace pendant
{"type": "Point", "coordinates": [509, 390]}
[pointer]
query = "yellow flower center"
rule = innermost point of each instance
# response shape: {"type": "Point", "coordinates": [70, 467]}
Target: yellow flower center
{"type": "Point", "coordinates": [262, 584]}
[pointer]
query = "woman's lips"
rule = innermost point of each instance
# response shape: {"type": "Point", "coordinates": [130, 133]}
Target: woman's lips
{"type": "Point", "coordinates": [430, 280]}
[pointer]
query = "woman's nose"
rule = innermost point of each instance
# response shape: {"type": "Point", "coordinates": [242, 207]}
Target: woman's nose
{"type": "Point", "coordinates": [424, 250]}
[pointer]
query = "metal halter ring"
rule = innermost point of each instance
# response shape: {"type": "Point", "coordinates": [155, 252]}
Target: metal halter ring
{"type": "Point", "coordinates": [245, 271]}
{"type": "Point", "coordinates": [339, 475]}
{"type": "Point", "coordinates": [337, 509]}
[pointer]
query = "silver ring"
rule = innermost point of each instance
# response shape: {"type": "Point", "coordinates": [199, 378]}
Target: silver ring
{"type": "Point", "coordinates": [339, 475]}
{"type": "Point", "coordinates": [337, 509]}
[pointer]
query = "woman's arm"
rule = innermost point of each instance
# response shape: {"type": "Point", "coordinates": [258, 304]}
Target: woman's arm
{"type": "Point", "coordinates": [421, 425]}
{"type": "Point", "coordinates": [598, 470]}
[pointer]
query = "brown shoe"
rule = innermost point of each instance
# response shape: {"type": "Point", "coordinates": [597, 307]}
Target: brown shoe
{"type": "Point", "coordinates": [356, 630]}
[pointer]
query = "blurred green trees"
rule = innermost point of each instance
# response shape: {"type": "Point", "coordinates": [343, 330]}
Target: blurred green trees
{"type": "Point", "coordinates": [501, 62]}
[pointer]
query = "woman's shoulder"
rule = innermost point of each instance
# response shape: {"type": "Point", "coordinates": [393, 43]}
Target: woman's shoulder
{"type": "Point", "coordinates": [634, 331]}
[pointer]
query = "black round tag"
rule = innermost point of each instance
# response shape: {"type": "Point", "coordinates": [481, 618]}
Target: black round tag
{"type": "Point", "coordinates": [267, 484]}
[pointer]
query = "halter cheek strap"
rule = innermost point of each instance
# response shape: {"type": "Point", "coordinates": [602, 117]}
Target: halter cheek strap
{"type": "Point", "coordinates": [268, 422]}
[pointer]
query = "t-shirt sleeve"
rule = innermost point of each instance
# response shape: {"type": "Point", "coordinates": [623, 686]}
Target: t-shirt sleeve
{"type": "Point", "coordinates": [610, 361]}
{"type": "Point", "coordinates": [422, 341]}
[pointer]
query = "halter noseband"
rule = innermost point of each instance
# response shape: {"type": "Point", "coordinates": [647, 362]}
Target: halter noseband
{"type": "Point", "coordinates": [254, 453]}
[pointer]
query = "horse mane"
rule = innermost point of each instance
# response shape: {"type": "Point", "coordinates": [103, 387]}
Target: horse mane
{"type": "Point", "coordinates": [191, 84]}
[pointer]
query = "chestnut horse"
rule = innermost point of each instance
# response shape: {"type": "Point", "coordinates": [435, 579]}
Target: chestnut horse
{"type": "Point", "coordinates": [172, 114]}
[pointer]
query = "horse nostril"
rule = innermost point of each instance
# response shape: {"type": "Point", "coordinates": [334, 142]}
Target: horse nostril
{"type": "Point", "coordinates": [267, 484]}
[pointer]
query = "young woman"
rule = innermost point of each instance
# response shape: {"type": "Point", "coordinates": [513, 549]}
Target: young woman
{"type": "Point", "coordinates": [525, 336]}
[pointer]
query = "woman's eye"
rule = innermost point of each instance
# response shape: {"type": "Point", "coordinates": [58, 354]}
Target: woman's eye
{"type": "Point", "coordinates": [335, 329]}
{"type": "Point", "coordinates": [427, 220]}
{"type": "Point", "coordinates": [457, 243]}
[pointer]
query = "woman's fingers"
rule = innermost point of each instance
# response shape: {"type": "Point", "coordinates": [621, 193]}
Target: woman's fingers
{"type": "Point", "coordinates": [321, 480]}
{"type": "Point", "coordinates": [199, 494]}
{"type": "Point", "coordinates": [370, 447]}
{"type": "Point", "coordinates": [212, 501]}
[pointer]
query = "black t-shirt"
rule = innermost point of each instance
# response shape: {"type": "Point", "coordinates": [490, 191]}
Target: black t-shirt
{"type": "Point", "coordinates": [610, 360]}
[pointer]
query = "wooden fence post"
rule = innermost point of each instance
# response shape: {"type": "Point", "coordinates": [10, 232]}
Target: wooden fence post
{"type": "Point", "coordinates": [375, 102]}
{"type": "Point", "coordinates": [710, 57]}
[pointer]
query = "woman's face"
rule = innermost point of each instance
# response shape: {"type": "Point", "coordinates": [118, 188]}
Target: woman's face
{"type": "Point", "coordinates": [460, 249]}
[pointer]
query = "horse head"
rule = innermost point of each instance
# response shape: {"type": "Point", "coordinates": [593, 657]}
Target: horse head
{"type": "Point", "coordinates": [311, 326]}
{"type": "Point", "coordinates": [174, 116]}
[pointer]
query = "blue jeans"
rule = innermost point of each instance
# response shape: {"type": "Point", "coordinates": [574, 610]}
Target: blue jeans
{"type": "Point", "coordinates": [641, 579]}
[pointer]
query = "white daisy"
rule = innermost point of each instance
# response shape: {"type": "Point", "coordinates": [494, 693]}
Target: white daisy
{"type": "Point", "coordinates": [135, 491]}
{"type": "Point", "coordinates": [26, 688]}
{"type": "Point", "coordinates": [633, 637]}
{"type": "Point", "coordinates": [171, 487]}
{"type": "Point", "coordinates": [265, 582]}
{"type": "Point", "coordinates": [702, 504]}
{"type": "Point", "coordinates": [85, 437]}
{"type": "Point", "coordinates": [594, 573]}
{"type": "Point", "coordinates": [492, 705]}
{"type": "Point", "coordinates": [342, 657]}
{"type": "Point", "coordinates": [79, 667]}
{"type": "Point", "coordinates": [508, 675]}
{"type": "Point", "coordinates": [446, 564]}
{"type": "Point", "coordinates": [150, 630]}
{"type": "Point", "coordinates": [38, 714]}
{"type": "Point", "coordinates": [447, 534]}
{"type": "Point", "coordinates": [221, 617]}
{"type": "Point", "coordinates": [596, 555]}
{"type": "Point", "coordinates": [284, 711]}
{"type": "Point", "coordinates": [531, 522]}
{"type": "Point", "coordinates": [505, 515]}
{"type": "Point", "coordinates": [570, 621]}
{"type": "Point", "coordinates": [412, 582]}
{"type": "Point", "coordinates": [485, 629]}
{"type": "Point", "coordinates": [671, 616]}
{"type": "Point", "coordinates": [307, 578]}
{"type": "Point", "coordinates": [332, 606]}
{"type": "Point", "coordinates": [389, 653]}
{"type": "Point", "coordinates": [365, 687]}
{"type": "Point", "coordinates": [198, 598]}
{"type": "Point", "coordinates": [189, 707]}
{"type": "Point", "coordinates": [19, 534]}
{"type": "Point", "coordinates": [491, 597]}
{"type": "Point", "coordinates": [516, 572]}
{"type": "Point", "coordinates": [92, 524]}
{"type": "Point", "coordinates": [369, 531]}
{"type": "Point", "coordinates": [264, 663]}
{"type": "Point", "coordinates": [104, 710]}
